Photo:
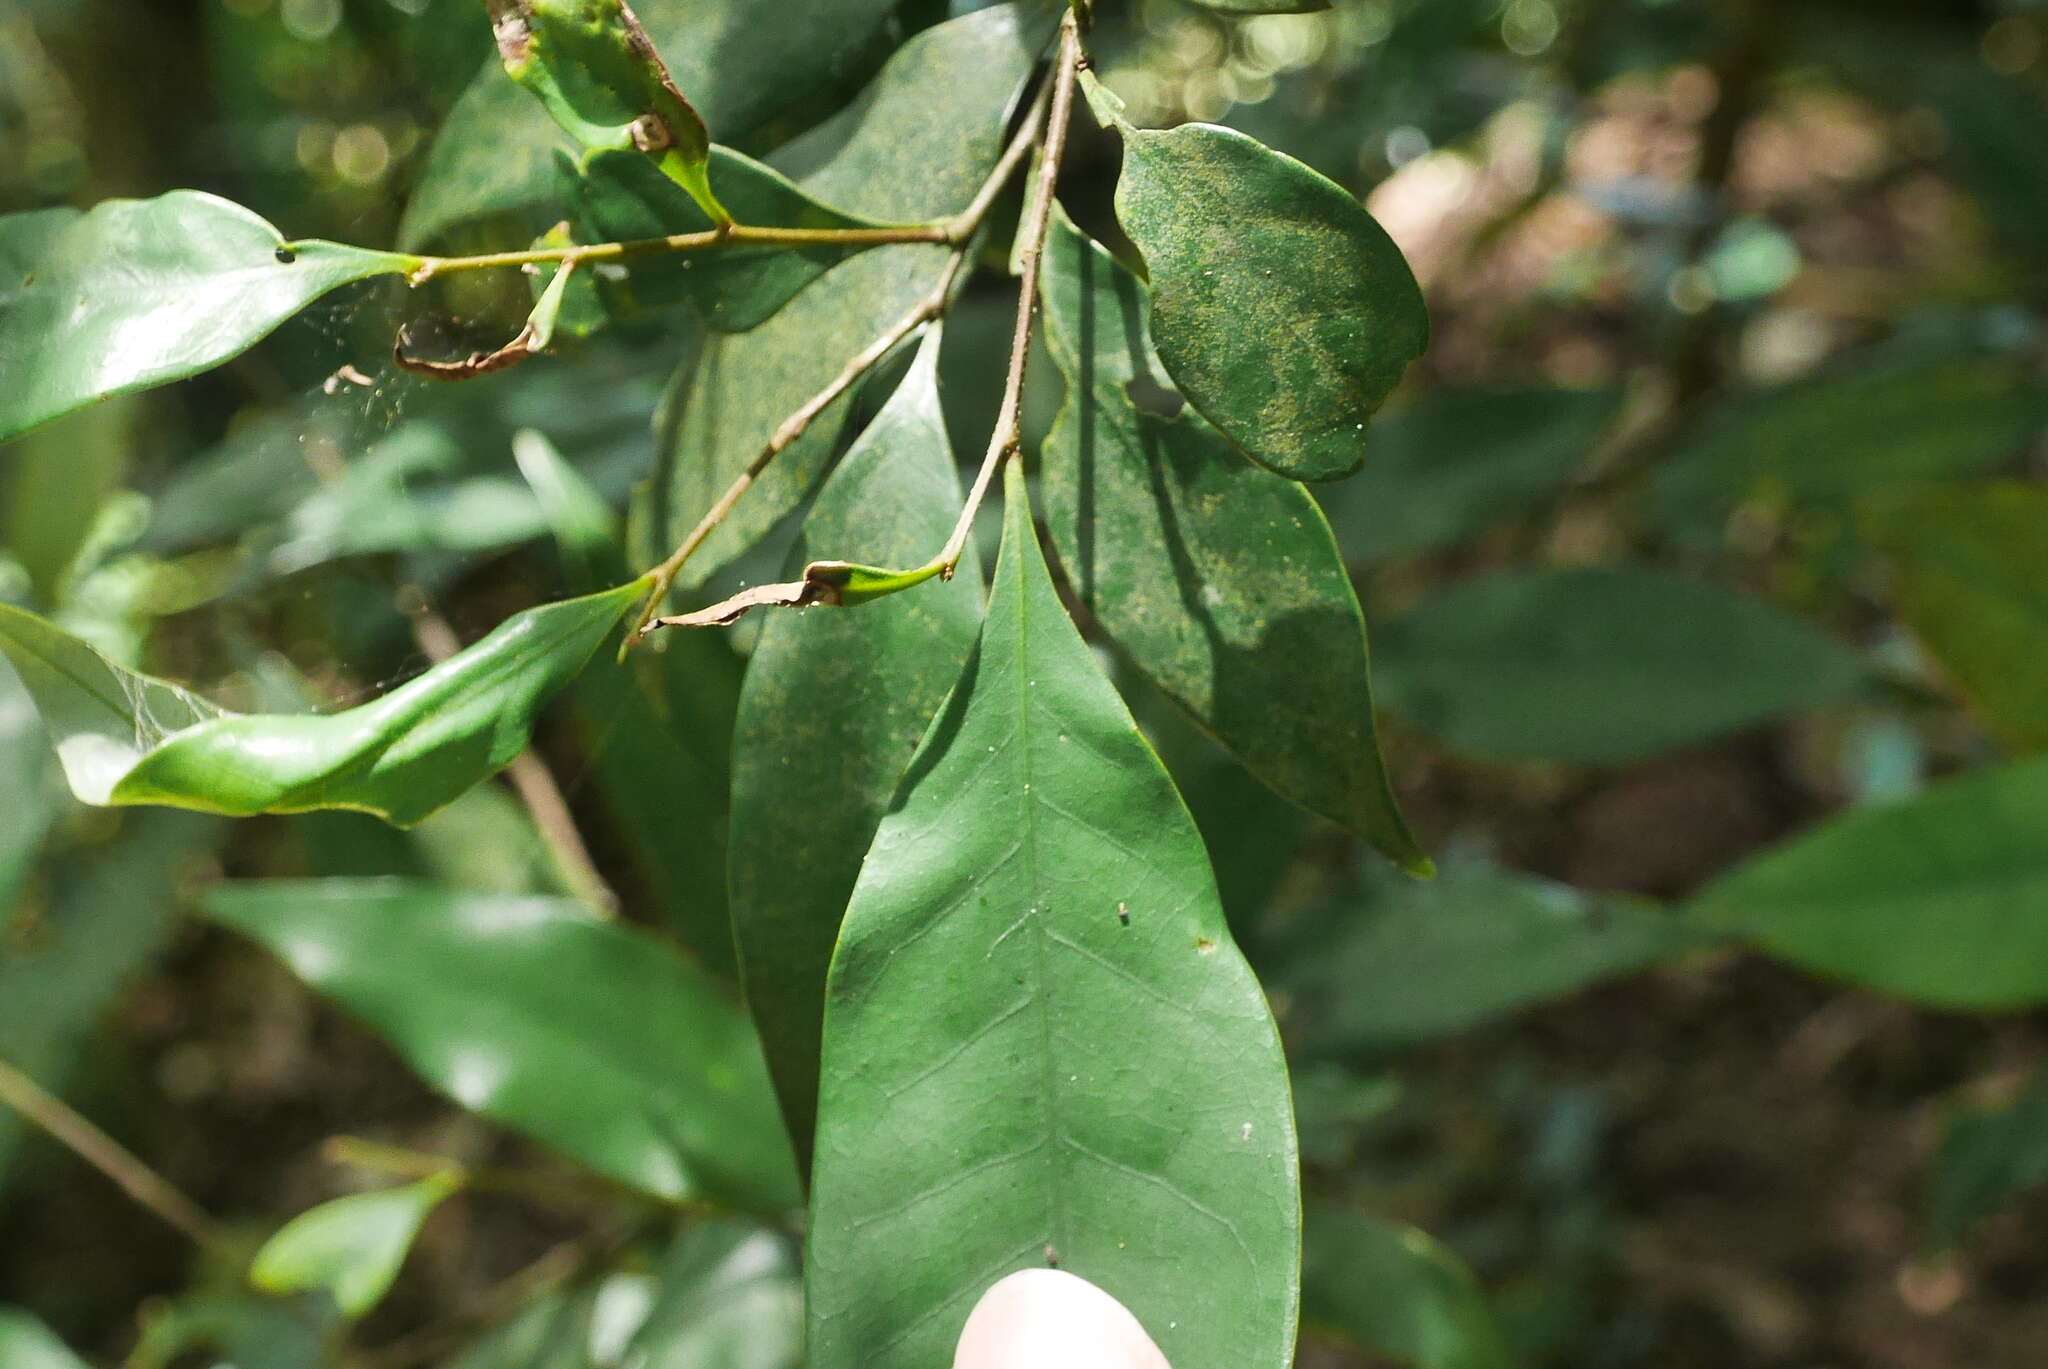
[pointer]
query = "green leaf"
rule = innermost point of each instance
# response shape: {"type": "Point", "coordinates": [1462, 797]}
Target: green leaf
{"type": "Point", "coordinates": [1600, 665]}
{"type": "Point", "coordinates": [126, 738]}
{"type": "Point", "coordinates": [745, 63]}
{"type": "Point", "coordinates": [24, 761]}
{"type": "Point", "coordinates": [588, 1036]}
{"type": "Point", "coordinates": [1266, 6]}
{"type": "Point", "coordinates": [619, 197]}
{"type": "Point", "coordinates": [352, 1247]}
{"type": "Point", "coordinates": [1039, 1033]}
{"type": "Point", "coordinates": [1968, 581]}
{"type": "Point", "coordinates": [140, 292]}
{"type": "Point", "coordinates": [1459, 461]}
{"type": "Point", "coordinates": [1284, 311]}
{"type": "Point", "coordinates": [915, 146]}
{"type": "Point", "coordinates": [1395, 1290]}
{"type": "Point", "coordinates": [595, 71]}
{"type": "Point", "coordinates": [25, 1343]}
{"type": "Point", "coordinates": [1822, 443]}
{"type": "Point", "coordinates": [728, 1299]}
{"type": "Point", "coordinates": [1421, 961]}
{"type": "Point", "coordinates": [832, 709]}
{"type": "Point", "coordinates": [1939, 899]}
{"type": "Point", "coordinates": [1220, 579]}
{"type": "Point", "coordinates": [586, 530]}
{"type": "Point", "coordinates": [1989, 1157]}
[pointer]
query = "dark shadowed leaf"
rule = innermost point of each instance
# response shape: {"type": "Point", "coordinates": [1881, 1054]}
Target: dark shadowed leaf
{"type": "Point", "coordinates": [914, 146]}
{"type": "Point", "coordinates": [139, 292]}
{"type": "Point", "coordinates": [1221, 579]}
{"type": "Point", "coordinates": [1283, 310]}
{"type": "Point", "coordinates": [1971, 581]}
{"type": "Point", "coordinates": [1939, 899]}
{"type": "Point", "coordinates": [1395, 1290]}
{"type": "Point", "coordinates": [1600, 665]}
{"type": "Point", "coordinates": [1040, 1041]}
{"type": "Point", "coordinates": [834, 703]}
{"type": "Point", "coordinates": [351, 1247]}
{"type": "Point", "coordinates": [126, 738]}
{"type": "Point", "coordinates": [1990, 1156]}
{"type": "Point", "coordinates": [588, 1036]}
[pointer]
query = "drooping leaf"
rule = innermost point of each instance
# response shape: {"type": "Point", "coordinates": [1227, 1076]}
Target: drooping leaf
{"type": "Point", "coordinates": [352, 1247]}
{"type": "Point", "coordinates": [744, 63]}
{"type": "Point", "coordinates": [1220, 579]}
{"type": "Point", "coordinates": [1420, 961]}
{"type": "Point", "coordinates": [831, 712]}
{"type": "Point", "coordinates": [1989, 1157]}
{"type": "Point", "coordinates": [1820, 444]}
{"type": "Point", "coordinates": [1600, 664]}
{"type": "Point", "coordinates": [1971, 580]}
{"type": "Point", "coordinates": [1397, 1291]}
{"type": "Point", "coordinates": [588, 1036]}
{"type": "Point", "coordinates": [126, 738]}
{"type": "Point", "coordinates": [140, 292]}
{"type": "Point", "coordinates": [1040, 1041]}
{"type": "Point", "coordinates": [25, 1343]}
{"type": "Point", "coordinates": [1459, 460]}
{"type": "Point", "coordinates": [1282, 309]}
{"type": "Point", "coordinates": [1938, 899]}
{"type": "Point", "coordinates": [619, 197]}
{"type": "Point", "coordinates": [595, 71]}
{"type": "Point", "coordinates": [914, 146]}
{"type": "Point", "coordinates": [728, 1298]}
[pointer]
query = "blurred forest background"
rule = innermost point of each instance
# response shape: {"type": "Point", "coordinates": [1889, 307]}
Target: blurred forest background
{"type": "Point", "coordinates": [1733, 302]}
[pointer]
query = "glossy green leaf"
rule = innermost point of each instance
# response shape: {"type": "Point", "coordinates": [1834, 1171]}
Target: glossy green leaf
{"type": "Point", "coordinates": [1420, 961]}
{"type": "Point", "coordinates": [915, 146]}
{"type": "Point", "coordinates": [1988, 1158]}
{"type": "Point", "coordinates": [1822, 443]}
{"type": "Point", "coordinates": [588, 1036]}
{"type": "Point", "coordinates": [1971, 580]}
{"type": "Point", "coordinates": [1282, 309]}
{"type": "Point", "coordinates": [619, 197]}
{"type": "Point", "coordinates": [1040, 1034]}
{"type": "Point", "coordinates": [351, 1247]}
{"type": "Point", "coordinates": [25, 1343]}
{"type": "Point", "coordinates": [595, 71]}
{"type": "Point", "coordinates": [1459, 461]}
{"type": "Point", "coordinates": [1397, 1291]}
{"type": "Point", "coordinates": [126, 738]}
{"type": "Point", "coordinates": [728, 1298]}
{"type": "Point", "coordinates": [832, 709]}
{"type": "Point", "coordinates": [1600, 665]}
{"type": "Point", "coordinates": [139, 292]}
{"type": "Point", "coordinates": [1942, 899]}
{"type": "Point", "coordinates": [744, 63]}
{"type": "Point", "coordinates": [1220, 579]}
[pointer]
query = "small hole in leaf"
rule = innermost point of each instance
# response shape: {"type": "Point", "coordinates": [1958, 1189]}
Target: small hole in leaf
{"type": "Point", "coordinates": [1154, 398]}
{"type": "Point", "coordinates": [1204, 946]}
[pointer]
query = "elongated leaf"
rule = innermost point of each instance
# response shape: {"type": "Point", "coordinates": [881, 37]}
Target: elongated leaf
{"type": "Point", "coordinates": [914, 146]}
{"type": "Point", "coordinates": [588, 1036]}
{"type": "Point", "coordinates": [125, 738]}
{"type": "Point", "coordinates": [352, 1247]}
{"type": "Point", "coordinates": [1600, 665]}
{"type": "Point", "coordinates": [1284, 311]}
{"type": "Point", "coordinates": [1989, 1157]}
{"type": "Point", "coordinates": [1459, 461]}
{"type": "Point", "coordinates": [1039, 1033]}
{"type": "Point", "coordinates": [25, 1343]}
{"type": "Point", "coordinates": [1420, 961]}
{"type": "Point", "coordinates": [1395, 1290]}
{"type": "Point", "coordinates": [620, 197]}
{"type": "Point", "coordinates": [1942, 899]}
{"type": "Point", "coordinates": [744, 63]}
{"type": "Point", "coordinates": [832, 709]}
{"type": "Point", "coordinates": [1972, 583]}
{"type": "Point", "coordinates": [139, 292]}
{"type": "Point", "coordinates": [1220, 579]}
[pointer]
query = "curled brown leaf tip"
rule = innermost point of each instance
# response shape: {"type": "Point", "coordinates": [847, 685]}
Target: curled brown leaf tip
{"type": "Point", "coordinates": [475, 364]}
{"type": "Point", "coordinates": [822, 583]}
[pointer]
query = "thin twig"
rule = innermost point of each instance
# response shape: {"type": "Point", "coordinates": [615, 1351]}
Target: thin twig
{"type": "Point", "coordinates": [530, 777]}
{"type": "Point", "coordinates": [1008, 434]}
{"type": "Point", "coordinates": [405, 1163]}
{"type": "Point", "coordinates": [57, 1119]}
{"type": "Point", "coordinates": [734, 235]}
